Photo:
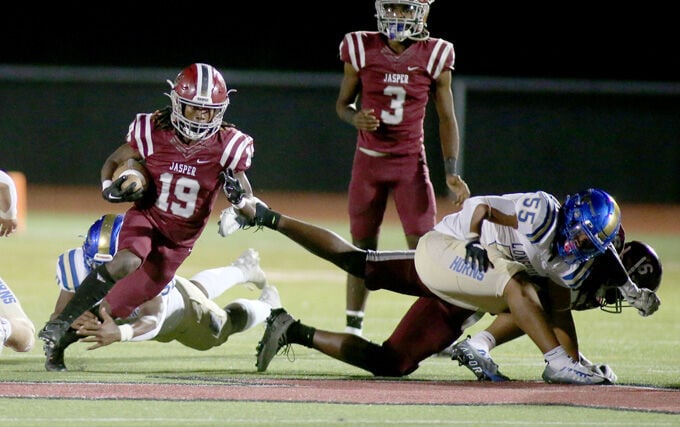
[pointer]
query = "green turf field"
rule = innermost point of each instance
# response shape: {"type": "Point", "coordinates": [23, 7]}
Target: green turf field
{"type": "Point", "coordinates": [642, 351]}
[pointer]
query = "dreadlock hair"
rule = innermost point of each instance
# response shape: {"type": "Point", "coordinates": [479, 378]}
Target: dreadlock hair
{"type": "Point", "coordinates": [161, 119]}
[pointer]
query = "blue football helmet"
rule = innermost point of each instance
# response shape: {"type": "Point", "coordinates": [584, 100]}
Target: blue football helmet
{"type": "Point", "coordinates": [101, 241]}
{"type": "Point", "coordinates": [590, 222]}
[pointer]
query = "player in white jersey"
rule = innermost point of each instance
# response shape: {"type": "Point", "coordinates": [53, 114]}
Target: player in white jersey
{"type": "Point", "coordinates": [471, 257]}
{"type": "Point", "coordinates": [598, 291]}
{"type": "Point", "coordinates": [465, 277]}
{"type": "Point", "coordinates": [184, 311]}
{"type": "Point", "coordinates": [17, 331]}
{"type": "Point", "coordinates": [529, 236]}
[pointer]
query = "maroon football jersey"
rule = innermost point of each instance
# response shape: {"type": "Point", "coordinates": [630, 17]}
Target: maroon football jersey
{"type": "Point", "coordinates": [186, 177]}
{"type": "Point", "coordinates": [395, 86]}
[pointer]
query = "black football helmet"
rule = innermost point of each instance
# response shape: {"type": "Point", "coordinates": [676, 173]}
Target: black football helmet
{"type": "Point", "coordinates": [642, 264]}
{"type": "Point", "coordinates": [643, 267]}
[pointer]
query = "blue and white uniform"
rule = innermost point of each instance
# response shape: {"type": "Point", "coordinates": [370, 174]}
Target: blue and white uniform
{"type": "Point", "coordinates": [440, 256]}
{"type": "Point", "coordinates": [186, 314]}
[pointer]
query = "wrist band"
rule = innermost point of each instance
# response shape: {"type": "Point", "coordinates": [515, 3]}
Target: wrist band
{"type": "Point", "coordinates": [240, 204]}
{"type": "Point", "coordinates": [267, 217]}
{"type": "Point", "coordinates": [106, 184]}
{"type": "Point", "coordinates": [126, 332]}
{"type": "Point", "coordinates": [450, 166]}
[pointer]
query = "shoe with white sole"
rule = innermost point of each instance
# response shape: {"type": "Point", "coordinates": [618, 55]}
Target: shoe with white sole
{"type": "Point", "coordinates": [574, 373]}
{"type": "Point", "coordinates": [270, 295]}
{"type": "Point", "coordinates": [249, 264]}
{"type": "Point", "coordinates": [480, 363]}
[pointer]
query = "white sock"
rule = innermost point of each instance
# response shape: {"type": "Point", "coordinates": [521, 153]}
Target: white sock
{"type": "Point", "coordinates": [558, 358]}
{"type": "Point", "coordinates": [216, 281]}
{"type": "Point", "coordinates": [483, 341]}
{"type": "Point", "coordinates": [257, 311]}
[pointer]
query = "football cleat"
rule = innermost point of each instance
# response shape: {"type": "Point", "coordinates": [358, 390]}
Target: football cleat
{"type": "Point", "coordinates": [575, 373]}
{"type": "Point", "coordinates": [54, 359]}
{"type": "Point", "coordinates": [274, 337]}
{"type": "Point", "coordinates": [479, 362]}
{"type": "Point", "coordinates": [249, 264]}
{"type": "Point", "coordinates": [270, 295]}
{"type": "Point", "coordinates": [53, 333]}
{"type": "Point", "coordinates": [56, 335]}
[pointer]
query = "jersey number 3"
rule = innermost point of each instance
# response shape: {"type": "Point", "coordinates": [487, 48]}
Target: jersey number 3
{"type": "Point", "coordinates": [398, 95]}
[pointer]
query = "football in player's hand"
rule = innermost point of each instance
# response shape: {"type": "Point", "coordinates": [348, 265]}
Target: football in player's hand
{"type": "Point", "coordinates": [136, 175]}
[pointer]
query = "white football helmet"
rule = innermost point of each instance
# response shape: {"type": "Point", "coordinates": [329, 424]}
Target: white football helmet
{"type": "Point", "coordinates": [403, 19]}
{"type": "Point", "coordinates": [198, 85]}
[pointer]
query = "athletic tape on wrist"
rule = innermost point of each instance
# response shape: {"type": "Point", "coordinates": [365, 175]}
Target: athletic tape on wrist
{"type": "Point", "coordinates": [126, 332]}
{"type": "Point", "coordinates": [240, 204]}
{"type": "Point", "coordinates": [472, 236]}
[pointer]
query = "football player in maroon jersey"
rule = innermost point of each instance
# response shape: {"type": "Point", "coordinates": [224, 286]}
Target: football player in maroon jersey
{"type": "Point", "coordinates": [185, 147]}
{"type": "Point", "coordinates": [431, 320]}
{"type": "Point", "coordinates": [388, 77]}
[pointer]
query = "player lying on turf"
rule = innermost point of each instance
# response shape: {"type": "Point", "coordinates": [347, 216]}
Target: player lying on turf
{"type": "Point", "coordinates": [184, 311]}
{"type": "Point", "coordinates": [435, 317]}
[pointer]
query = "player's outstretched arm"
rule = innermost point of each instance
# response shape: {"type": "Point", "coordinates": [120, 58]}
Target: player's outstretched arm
{"type": "Point", "coordinates": [320, 241]}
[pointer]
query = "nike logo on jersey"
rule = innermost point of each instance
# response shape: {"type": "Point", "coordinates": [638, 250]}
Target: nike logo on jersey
{"type": "Point", "coordinates": [202, 162]}
{"type": "Point", "coordinates": [412, 68]}
{"type": "Point", "coordinates": [396, 78]}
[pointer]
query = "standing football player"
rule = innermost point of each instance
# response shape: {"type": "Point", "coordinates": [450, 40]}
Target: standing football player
{"type": "Point", "coordinates": [388, 77]}
{"type": "Point", "coordinates": [185, 148]}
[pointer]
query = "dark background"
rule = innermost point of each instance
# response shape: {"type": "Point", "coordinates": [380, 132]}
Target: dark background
{"type": "Point", "coordinates": [573, 41]}
{"type": "Point", "coordinates": [539, 113]}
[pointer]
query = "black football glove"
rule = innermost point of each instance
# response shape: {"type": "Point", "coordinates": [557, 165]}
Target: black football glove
{"type": "Point", "coordinates": [476, 256]}
{"type": "Point", "coordinates": [115, 194]}
{"type": "Point", "coordinates": [232, 187]}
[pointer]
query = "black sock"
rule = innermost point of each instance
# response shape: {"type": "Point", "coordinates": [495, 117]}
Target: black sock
{"type": "Point", "coordinates": [301, 334]}
{"type": "Point", "coordinates": [93, 288]}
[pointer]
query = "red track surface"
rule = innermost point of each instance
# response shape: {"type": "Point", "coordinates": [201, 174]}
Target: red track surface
{"type": "Point", "coordinates": [366, 392]}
